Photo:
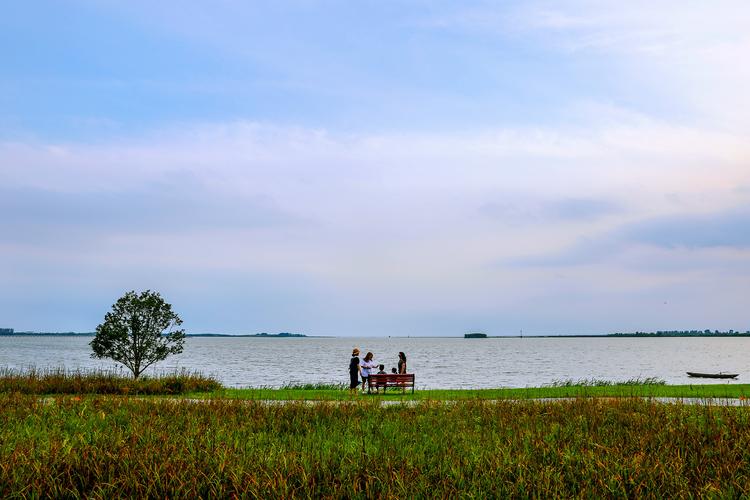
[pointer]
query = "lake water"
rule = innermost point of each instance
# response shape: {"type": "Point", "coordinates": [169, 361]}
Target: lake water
{"type": "Point", "coordinates": [437, 362]}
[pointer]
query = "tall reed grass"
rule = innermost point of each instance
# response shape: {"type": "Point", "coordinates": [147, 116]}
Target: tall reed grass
{"type": "Point", "coordinates": [61, 381]}
{"type": "Point", "coordinates": [114, 447]}
{"type": "Point", "coordinates": [331, 386]}
{"type": "Point", "coordinates": [595, 382]}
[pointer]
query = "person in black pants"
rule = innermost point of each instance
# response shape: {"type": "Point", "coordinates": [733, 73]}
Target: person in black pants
{"type": "Point", "coordinates": [354, 372]}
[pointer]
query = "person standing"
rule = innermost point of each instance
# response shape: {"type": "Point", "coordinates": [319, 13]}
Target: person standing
{"type": "Point", "coordinates": [368, 366]}
{"type": "Point", "coordinates": [355, 370]}
{"type": "Point", "coordinates": [401, 363]}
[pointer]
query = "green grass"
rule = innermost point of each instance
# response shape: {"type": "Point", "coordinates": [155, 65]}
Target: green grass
{"type": "Point", "coordinates": [106, 447]}
{"type": "Point", "coordinates": [648, 390]}
{"type": "Point", "coordinates": [196, 385]}
{"type": "Point", "coordinates": [595, 382]}
{"type": "Point", "coordinates": [61, 381]}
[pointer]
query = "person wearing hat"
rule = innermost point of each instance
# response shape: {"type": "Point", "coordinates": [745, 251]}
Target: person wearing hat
{"type": "Point", "coordinates": [355, 370]}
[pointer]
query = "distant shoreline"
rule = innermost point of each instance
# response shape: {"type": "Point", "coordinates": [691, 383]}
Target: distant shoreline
{"type": "Point", "coordinates": [91, 334]}
{"type": "Point", "coordinates": [299, 335]}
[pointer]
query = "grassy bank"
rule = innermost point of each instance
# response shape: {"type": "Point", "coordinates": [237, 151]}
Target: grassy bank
{"type": "Point", "coordinates": [107, 447]}
{"type": "Point", "coordinates": [334, 393]}
{"type": "Point", "coordinates": [197, 385]}
{"type": "Point", "coordinates": [61, 381]}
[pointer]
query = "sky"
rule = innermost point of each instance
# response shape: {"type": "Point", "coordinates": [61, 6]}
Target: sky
{"type": "Point", "coordinates": [377, 168]}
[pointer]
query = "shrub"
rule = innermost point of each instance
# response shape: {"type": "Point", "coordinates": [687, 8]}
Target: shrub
{"type": "Point", "coordinates": [62, 381]}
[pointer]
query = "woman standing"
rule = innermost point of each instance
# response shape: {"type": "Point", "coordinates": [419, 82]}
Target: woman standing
{"type": "Point", "coordinates": [355, 370]}
{"type": "Point", "coordinates": [401, 362]}
{"type": "Point", "coordinates": [367, 365]}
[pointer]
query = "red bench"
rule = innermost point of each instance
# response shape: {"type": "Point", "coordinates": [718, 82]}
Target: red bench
{"type": "Point", "coordinates": [397, 380]}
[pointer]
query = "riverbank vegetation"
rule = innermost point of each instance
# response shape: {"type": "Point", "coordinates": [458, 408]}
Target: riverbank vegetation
{"type": "Point", "coordinates": [104, 447]}
{"type": "Point", "coordinates": [196, 385]}
{"type": "Point", "coordinates": [61, 381]}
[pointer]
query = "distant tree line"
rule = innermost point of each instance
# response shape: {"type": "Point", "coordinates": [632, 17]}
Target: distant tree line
{"type": "Point", "coordinates": [684, 333]}
{"type": "Point", "coordinates": [282, 334]}
{"type": "Point", "coordinates": [11, 332]}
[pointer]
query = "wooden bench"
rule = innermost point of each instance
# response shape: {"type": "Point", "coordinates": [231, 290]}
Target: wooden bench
{"type": "Point", "coordinates": [399, 381]}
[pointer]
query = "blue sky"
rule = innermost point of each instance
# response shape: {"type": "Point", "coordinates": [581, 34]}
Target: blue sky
{"type": "Point", "coordinates": [377, 168]}
{"type": "Point", "coordinates": [344, 65]}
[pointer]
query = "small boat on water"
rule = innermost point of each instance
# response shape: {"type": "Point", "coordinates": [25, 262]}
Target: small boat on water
{"type": "Point", "coordinates": [713, 375]}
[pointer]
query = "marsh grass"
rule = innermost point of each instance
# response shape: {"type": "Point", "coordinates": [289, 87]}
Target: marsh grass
{"type": "Point", "coordinates": [314, 387]}
{"type": "Point", "coordinates": [61, 381]}
{"type": "Point", "coordinates": [115, 447]}
{"type": "Point", "coordinates": [594, 382]}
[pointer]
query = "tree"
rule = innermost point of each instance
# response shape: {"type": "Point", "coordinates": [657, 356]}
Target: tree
{"type": "Point", "coordinates": [140, 330]}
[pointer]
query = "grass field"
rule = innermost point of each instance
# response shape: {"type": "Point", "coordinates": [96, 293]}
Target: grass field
{"type": "Point", "coordinates": [121, 446]}
{"type": "Point", "coordinates": [563, 391]}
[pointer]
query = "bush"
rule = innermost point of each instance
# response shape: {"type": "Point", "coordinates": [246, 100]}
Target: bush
{"type": "Point", "coordinates": [62, 381]}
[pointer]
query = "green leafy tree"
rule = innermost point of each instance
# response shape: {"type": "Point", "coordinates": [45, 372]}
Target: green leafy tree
{"type": "Point", "coordinates": [140, 330]}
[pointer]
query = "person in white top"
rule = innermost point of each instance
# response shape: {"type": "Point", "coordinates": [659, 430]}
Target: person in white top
{"type": "Point", "coordinates": [368, 367]}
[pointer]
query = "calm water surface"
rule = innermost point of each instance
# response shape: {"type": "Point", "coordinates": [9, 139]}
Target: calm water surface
{"type": "Point", "coordinates": [437, 362]}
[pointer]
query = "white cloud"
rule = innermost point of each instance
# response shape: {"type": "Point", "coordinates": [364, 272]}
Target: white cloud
{"type": "Point", "coordinates": [691, 56]}
{"type": "Point", "coordinates": [389, 225]}
{"type": "Point", "coordinates": [418, 224]}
